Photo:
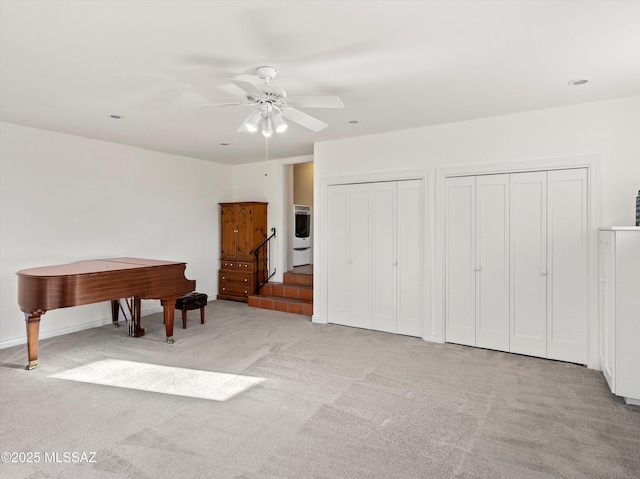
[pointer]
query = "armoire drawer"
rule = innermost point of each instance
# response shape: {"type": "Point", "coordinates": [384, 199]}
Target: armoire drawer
{"type": "Point", "coordinates": [237, 265]}
{"type": "Point", "coordinates": [234, 289]}
{"type": "Point", "coordinates": [239, 277]}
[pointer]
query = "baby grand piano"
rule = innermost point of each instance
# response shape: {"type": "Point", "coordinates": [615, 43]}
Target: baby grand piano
{"type": "Point", "coordinates": [92, 281]}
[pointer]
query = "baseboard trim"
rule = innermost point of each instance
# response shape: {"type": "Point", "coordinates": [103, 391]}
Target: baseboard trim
{"type": "Point", "coordinates": [72, 329]}
{"type": "Point", "coordinates": [317, 319]}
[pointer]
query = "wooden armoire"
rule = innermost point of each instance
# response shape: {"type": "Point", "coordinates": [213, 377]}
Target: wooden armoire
{"type": "Point", "coordinates": [243, 228]}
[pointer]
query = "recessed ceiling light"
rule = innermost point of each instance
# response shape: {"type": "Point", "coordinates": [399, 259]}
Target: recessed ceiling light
{"type": "Point", "coordinates": [224, 143]}
{"type": "Point", "coordinates": [117, 117]}
{"type": "Point", "coordinates": [578, 82]}
{"type": "Point", "coordinates": [353, 122]}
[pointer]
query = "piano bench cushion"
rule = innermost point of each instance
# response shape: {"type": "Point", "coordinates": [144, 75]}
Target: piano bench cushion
{"type": "Point", "coordinates": [191, 301]}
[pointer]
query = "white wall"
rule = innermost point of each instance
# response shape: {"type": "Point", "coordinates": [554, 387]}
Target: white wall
{"type": "Point", "coordinates": [65, 198]}
{"type": "Point", "coordinates": [609, 130]}
{"type": "Point", "coordinates": [270, 181]}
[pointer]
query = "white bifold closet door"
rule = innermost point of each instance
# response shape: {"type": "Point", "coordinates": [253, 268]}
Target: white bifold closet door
{"type": "Point", "coordinates": [349, 255]}
{"type": "Point", "coordinates": [567, 265]}
{"type": "Point", "coordinates": [460, 260]}
{"type": "Point", "coordinates": [549, 274]}
{"type": "Point", "coordinates": [529, 263]}
{"type": "Point", "coordinates": [410, 258]}
{"type": "Point", "coordinates": [516, 255]}
{"type": "Point", "coordinates": [492, 262]}
{"type": "Point", "coordinates": [477, 258]}
{"type": "Point", "coordinates": [337, 253]}
{"type": "Point", "coordinates": [375, 256]}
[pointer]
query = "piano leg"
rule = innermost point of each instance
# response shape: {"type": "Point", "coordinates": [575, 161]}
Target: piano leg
{"type": "Point", "coordinates": [169, 306]}
{"type": "Point", "coordinates": [115, 311]}
{"type": "Point", "coordinates": [33, 331]}
{"type": "Point", "coordinates": [138, 330]}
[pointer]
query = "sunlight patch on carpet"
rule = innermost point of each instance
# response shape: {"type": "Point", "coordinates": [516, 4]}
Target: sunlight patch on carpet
{"type": "Point", "coordinates": [161, 379]}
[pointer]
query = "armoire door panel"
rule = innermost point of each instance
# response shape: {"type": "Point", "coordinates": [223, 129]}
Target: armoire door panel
{"type": "Point", "coordinates": [228, 234]}
{"type": "Point", "coordinates": [244, 232]}
{"type": "Point", "coordinates": [383, 229]}
{"type": "Point", "coordinates": [460, 325]}
{"type": "Point", "coordinates": [360, 256]}
{"type": "Point", "coordinates": [492, 262]}
{"type": "Point", "coordinates": [337, 254]}
{"type": "Point", "coordinates": [528, 246]}
{"type": "Point", "coordinates": [567, 281]}
{"type": "Point", "coordinates": [410, 258]}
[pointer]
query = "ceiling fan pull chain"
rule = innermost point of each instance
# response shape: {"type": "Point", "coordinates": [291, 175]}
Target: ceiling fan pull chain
{"type": "Point", "coordinates": [266, 154]}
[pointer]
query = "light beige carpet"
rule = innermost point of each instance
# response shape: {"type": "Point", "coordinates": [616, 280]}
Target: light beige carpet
{"type": "Point", "coordinates": [161, 379]}
{"type": "Point", "coordinates": [337, 403]}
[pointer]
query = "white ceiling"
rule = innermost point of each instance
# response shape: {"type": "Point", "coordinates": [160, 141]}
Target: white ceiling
{"type": "Point", "coordinates": [68, 65]}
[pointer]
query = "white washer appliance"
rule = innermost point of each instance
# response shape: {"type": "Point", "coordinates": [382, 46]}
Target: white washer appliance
{"type": "Point", "coordinates": [301, 235]}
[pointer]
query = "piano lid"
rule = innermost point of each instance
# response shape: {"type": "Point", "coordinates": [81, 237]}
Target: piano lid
{"type": "Point", "coordinates": [94, 266]}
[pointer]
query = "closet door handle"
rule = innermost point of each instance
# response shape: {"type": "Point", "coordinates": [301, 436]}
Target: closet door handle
{"type": "Point", "coordinates": [544, 272]}
{"type": "Point", "coordinates": [395, 263]}
{"type": "Point", "coordinates": [350, 261]}
{"type": "Point", "coordinates": [477, 268]}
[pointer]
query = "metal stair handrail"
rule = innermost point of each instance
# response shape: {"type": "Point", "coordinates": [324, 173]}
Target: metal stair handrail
{"type": "Point", "coordinates": [265, 272]}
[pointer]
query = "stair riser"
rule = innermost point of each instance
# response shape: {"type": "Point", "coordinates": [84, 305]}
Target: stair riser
{"type": "Point", "coordinates": [299, 279]}
{"type": "Point", "coordinates": [281, 305]}
{"type": "Point", "coordinates": [287, 291]}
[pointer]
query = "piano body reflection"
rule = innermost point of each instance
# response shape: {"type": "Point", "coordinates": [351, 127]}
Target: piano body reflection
{"type": "Point", "coordinates": [92, 281]}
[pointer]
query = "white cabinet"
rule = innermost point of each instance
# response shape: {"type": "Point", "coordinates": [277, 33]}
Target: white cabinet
{"type": "Point", "coordinates": [516, 263]}
{"type": "Point", "coordinates": [375, 254]}
{"type": "Point", "coordinates": [619, 256]}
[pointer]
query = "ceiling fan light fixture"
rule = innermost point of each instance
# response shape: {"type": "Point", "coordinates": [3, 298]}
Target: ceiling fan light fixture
{"type": "Point", "coordinates": [254, 121]}
{"type": "Point", "coordinates": [279, 124]}
{"type": "Point", "coordinates": [267, 128]}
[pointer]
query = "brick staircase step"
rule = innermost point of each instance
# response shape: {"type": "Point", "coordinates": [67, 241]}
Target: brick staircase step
{"type": "Point", "coordinates": [297, 278]}
{"type": "Point", "coordinates": [293, 295]}
{"type": "Point", "coordinates": [279, 303]}
{"type": "Point", "coordinates": [287, 290]}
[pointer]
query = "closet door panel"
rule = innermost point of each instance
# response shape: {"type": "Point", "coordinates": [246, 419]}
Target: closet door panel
{"type": "Point", "coordinates": [528, 244]}
{"type": "Point", "coordinates": [384, 256]}
{"type": "Point", "coordinates": [567, 281]}
{"type": "Point", "coordinates": [460, 324]}
{"type": "Point", "coordinates": [360, 256]}
{"type": "Point", "coordinates": [492, 262]}
{"type": "Point", "coordinates": [337, 254]}
{"type": "Point", "coordinates": [410, 257]}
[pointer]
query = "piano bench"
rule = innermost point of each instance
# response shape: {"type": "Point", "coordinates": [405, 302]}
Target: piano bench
{"type": "Point", "coordinates": [191, 301]}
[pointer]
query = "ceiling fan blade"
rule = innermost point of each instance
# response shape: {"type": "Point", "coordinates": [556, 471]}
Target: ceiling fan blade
{"type": "Point", "coordinates": [249, 88]}
{"type": "Point", "coordinates": [316, 101]}
{"type": "Point", "coordinates": [303, 119]}
{"type": "Point", "coordinates": [201, 105]}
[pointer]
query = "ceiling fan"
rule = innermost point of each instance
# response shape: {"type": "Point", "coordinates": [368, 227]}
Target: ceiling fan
{"type": "Point", "coordinates": [271, 105]}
